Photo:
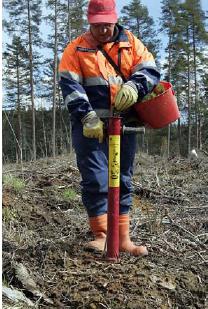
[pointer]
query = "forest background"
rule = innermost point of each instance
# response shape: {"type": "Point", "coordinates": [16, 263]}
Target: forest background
{"type": "Point", "coordinates": [35, 122]}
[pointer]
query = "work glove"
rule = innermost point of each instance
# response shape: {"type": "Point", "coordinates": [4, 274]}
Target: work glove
{"type": "Point", "coordinates": [92, 126]}
{"type": "Point", "coordinates": [126, 96]}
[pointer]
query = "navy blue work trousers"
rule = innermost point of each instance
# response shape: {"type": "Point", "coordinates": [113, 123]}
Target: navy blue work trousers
{"type": "Point", "coordinates": [92, 162]}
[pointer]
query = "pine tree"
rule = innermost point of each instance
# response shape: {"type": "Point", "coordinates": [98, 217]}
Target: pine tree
{"type": "Point", "coordinates": [169, 25]}
{"type": "Point", "coordinates": [71, 11]}
{"type": "Point", "coordinates": [135, 17]}
{"type": "Point", "coordinates": [203, 97]}
{"type": "Point", "coordinates": [184, 24]}
{"type": "Point", "coordinates": [15, 79]}
{"type": "Point", "coordinates": [25, 19]}
{"type": "Point", "coordinates": [198, 38]}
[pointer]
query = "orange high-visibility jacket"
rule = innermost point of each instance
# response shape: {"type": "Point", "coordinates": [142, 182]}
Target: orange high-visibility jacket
{"type": "Point", "coordinates": [89, 82]}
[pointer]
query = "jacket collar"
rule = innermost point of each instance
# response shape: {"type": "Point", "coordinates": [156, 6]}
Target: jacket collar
{"type": "Point", "coordinates": [122, 37]}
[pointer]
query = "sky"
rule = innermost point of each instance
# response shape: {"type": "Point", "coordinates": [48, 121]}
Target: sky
{"type": "Point", "coordinates": [154, 11]}
{"type": "Point", "coordinates": [152, 5]}
{"type": "Point", "coordinates": [154, 8]}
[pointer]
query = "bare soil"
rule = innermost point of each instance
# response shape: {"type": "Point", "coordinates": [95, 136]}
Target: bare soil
{"type": "Point", "coordinates": [44, 234]}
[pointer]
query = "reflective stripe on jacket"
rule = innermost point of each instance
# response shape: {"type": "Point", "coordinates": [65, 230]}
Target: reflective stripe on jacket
{"type": "Point", "coordinates": [89, 82]}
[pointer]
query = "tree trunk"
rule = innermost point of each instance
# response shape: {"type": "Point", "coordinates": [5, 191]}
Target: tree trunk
{"type": "Point", "coordinates": [69, 22]}
{"type": "Point", "coordinates": [68, 133]}
{"type": "Point", "coordinates": [19, 122]}
{"type": "Point", "coordinates": [196, 100]}
{"type": "Point", "coordinates": [44, 135]}
{"type": "Point", "coordinates": [60, 123]}
{"type": "Point", "coordinates": [31, 80]}
{"type": "Point", "coordinates": [69, 139]}
{"type": "Point", "coordinates": [169, 78]}
{"type": "Point", "coordinates": [188, 98]}
{"type": "Point", "coordinates": [179, 127]}
{"type": "Point", "coordinates": [54, 84]}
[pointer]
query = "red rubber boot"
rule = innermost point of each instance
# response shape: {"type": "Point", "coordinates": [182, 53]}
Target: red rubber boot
{"type": "Point", "coordinates": [98, 227]}
{"type": "Point", "coordinates": [125, 244]}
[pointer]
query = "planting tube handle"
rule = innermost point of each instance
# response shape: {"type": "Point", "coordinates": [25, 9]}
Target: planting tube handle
{"type": "Point", "coordinates": [129, 130]}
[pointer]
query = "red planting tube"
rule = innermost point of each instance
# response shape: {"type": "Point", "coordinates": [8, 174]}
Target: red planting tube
{"type": "Point", "coordinates": [114, 132]}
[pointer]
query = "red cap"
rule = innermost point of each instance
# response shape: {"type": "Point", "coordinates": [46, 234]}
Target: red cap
{"type": "Point", "coordinates": [102, 11]}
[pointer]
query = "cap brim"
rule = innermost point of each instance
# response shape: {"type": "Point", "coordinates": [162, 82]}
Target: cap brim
{"type": "Point", "coordinates": [95, 19]}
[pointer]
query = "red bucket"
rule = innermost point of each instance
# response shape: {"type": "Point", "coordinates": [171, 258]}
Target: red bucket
{"type": "Point", "coordinates": [159, 111]}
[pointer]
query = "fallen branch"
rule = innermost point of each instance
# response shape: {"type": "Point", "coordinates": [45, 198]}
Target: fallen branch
{"type": "Point", "coordinates": [205, 152]}
{"type": "Point", "coordinates": [192, 236]}
{"type": "Point", "coordinates": [155, 194]}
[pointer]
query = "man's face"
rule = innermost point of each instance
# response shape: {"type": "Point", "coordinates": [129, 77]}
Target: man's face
{"type": "Point", "coordinates": [102, 32]}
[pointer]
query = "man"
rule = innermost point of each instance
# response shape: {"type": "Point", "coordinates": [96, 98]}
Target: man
{"type": "Point", "coordinates": [90, 85]}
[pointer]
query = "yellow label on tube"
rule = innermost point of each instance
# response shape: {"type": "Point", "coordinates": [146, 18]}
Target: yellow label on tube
{"type": "Point", "coordinates": [114, 161]}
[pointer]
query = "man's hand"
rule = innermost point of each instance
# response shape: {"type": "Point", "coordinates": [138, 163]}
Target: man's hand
{"type": "Point", "coordinates": [93, 126]}
{"type": "Point", "coordinates": [126, 97]}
